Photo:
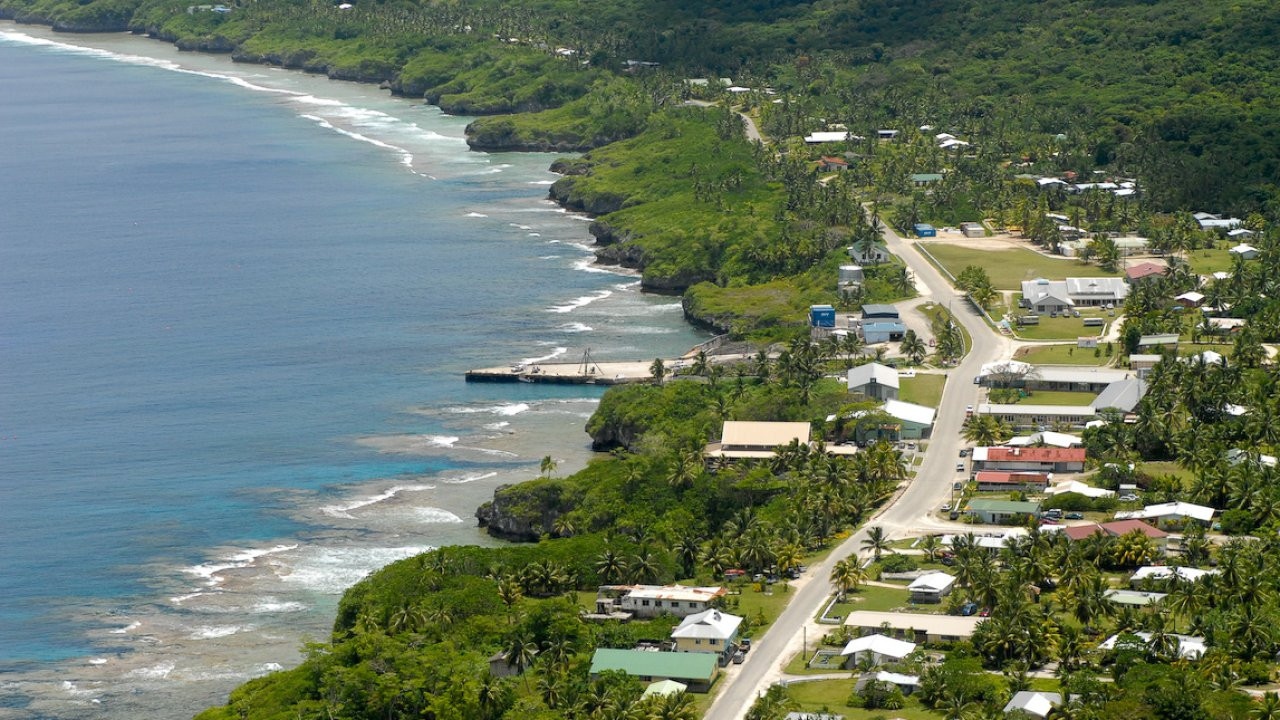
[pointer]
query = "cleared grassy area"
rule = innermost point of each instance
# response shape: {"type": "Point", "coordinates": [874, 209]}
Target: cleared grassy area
{"type": "Point", "coordinates": [922, 389]}
{"type": "Point", "coordinates": [873, 598]}
{"type": "Point", "coordinates": [1056, 397]}
{"type": "Point", "coordinates": [771, 603]}
{"type": "Point", "coordinates": [1185, 348]}
{"type": "Point", "coordinates": [1059, 355]}
{"type": "Point", "coordinates": [1007, 268]}
{"type": "Point", "coordinates": [833, 695]}
{"type": "Point", "coordinates": [1166, 467]}
{"type": "Point", "coordinates": [1060, 328]}
{"type": "Point", "coordinates": [1208, 261]}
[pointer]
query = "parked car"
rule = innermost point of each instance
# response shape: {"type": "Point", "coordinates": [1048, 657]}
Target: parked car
{"type": "Point", "coordinates": [959, 467]}
{"type": "Point", "coordinates": [744, 645]}
{"type": "Point", "coordinates": [984, 613]}
{"type": "Point", "coordinates": [964, 452]}
{"type": "Point", "coordinates": [957, 485]}
{"type": "Point", "coordinates": [1074, 516]}
{"type": "Point", "coordinates": [977, 379]}
{"type": "Point", "coordinates": [1128, 498]}
{"type": "Point", "coordinates": [738, 657]}
{"type": "Point", "coordinates": [946, 507]}
{"type": "Point", "coordinates": [968, 410]}
{"type": "Point", "coordinates": [1053, 513]}
{"type": "Point", "coordinates": [968, 609]}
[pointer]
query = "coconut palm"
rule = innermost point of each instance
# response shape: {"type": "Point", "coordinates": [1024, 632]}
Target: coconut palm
{"type": "Point", "coordinates": [847, 575]}
{"type": "Point", "coordinates": [876, 542]}
{"type": "Point", "coordinates": [913, 347]}
{"type": "Point", "coordinates": [658, 370]}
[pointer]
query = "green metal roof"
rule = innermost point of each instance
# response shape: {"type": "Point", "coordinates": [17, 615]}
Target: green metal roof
{"type": "Point", "coordinates": [1004, 506]}
{"type": "Point", "coordinates": [926, 177]}
{"type": "Point", "coordinates": [643, 663]}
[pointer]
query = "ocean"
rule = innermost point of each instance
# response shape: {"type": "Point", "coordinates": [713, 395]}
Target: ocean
{"type": "Point", "coordinates": [236, 304]}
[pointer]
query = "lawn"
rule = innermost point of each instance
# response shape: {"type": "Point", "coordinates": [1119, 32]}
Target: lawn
{"type": "Point", "coordinates": [1060, 328]}
{"type": "Point", "coordinates": [1059, 355]}
{"type": "Point", "coordinates": [922, 389]}
{"type": "Point", "coordinates": [1055, 397]}
{"type": "Point", "coordinates": [1007, 268]}
{"type": "Point", "coordinates": [1185, 348]}
{"type": "Point", "coordinates": [873, 598]}
{"type": "Point", "coordinates": [1166, 467]}
{"type": "Point", "coordinates": [831, 695]}
{"type": "Point", "coordinates": [771, 602]}
{"type": "Point", "coordinates": [1209, 261]}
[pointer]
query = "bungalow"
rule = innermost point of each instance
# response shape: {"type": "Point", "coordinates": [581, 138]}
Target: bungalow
{"type": "Point", "coordinates": [850, 275]}
{"type": "Point", "coordinates": [1079, 488]}
{"type": "Point", "coordinates": [922, 179]}
{"type": "Point", "coordinates": [1240, 234]}
{"type": "Point", "coordinates": [1144, 272]}
{"type": "Point", "coordinates": [870, 254]}
{"type": "Point", "coordinates": [1190, 299]}
{"type": "Point", "coordinates": [832, 136]}
{"type": "Point", "coordinates": [879, 649]}
{"type": "Point", "coordinates": [1118, 528]}
{"type": "Point", "coordinates": [742, 439]}
{"type": "Point", "coordinates": [1035, 416]}
{"type": "Point", "coordinates": [906, 683]}
{"type": "Point", "coordinates": [1164, 341]}
{"type": "Point", "coordinates": [708, 631]}
{"type": "Point", "coordinates": [998, 481]}
{"type": "Point", "coordinates": [886, 134]}
{"type": "Point", "coordinates": [649, 601]}
{"type": "Point", "coordinates": [1045, 298]}
{"type": "Point", "coordinates": [1226, 325]}
{"type": "Point", "coordinates": [915, 422]}
{"type": "Point", "coordinates": [918, 627]}
{"type": "Point", "coordinates": [1072, 379]}
{"type": "Point", "coordinates": [1216, 222]}
{"type": "Point", "coordinates": [1143, 363]}
{"type": "Point", "coordinates": [830, 163]}
{"type": "Point", "coordinates": [1035, 703]}
{"type": "Point", "coordinates": [931, 587]}
{"type": "Point", "coordinates": [1002, 512]}
{"type": "Point", "coordinates": [696, 670]}
{"type": "Point", "coordinates": [663, 688]}
{"type": "Point", "coordinates": [1245, 250]}
{"type": "Point", "coordinates": [874, 381]}
{"type": "Point", "coordinates": [1122, 395]}
{"type": "Point", "coordinates": [1134, 598]}
{"type": "Point", "coordinates": [1171, 514]}
{"type": "Point", "coordinates": [1048, 296]}
{"type": "Point", "coordinates": [1157, 573]}
{"type": "Point", "coordinates": [1032, 459]}
{"type": "Point", "coordinates": [1189, 647]}
{"type": "Point", "coordinates": [992, 540]}
{"type": "Point", "coordinates": [1048, 182]}
{"type": "Point", "coordinates": [1047, 438]}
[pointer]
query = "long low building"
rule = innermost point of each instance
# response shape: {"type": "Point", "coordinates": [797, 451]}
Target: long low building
{"type": "Point", "coordinates": [1003, 481]}
{"type": "Point", "coordinates": [1021, 415]}
{"type": "Point", "coordinates": [915, 627]}
{"type": "Point", "coordinates": [1029, 459]}
{"type": "Point", "coordinates": [696, 670]}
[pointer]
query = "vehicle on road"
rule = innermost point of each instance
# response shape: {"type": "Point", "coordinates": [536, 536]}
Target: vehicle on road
{"type": "Point", "coordinates": [968, 410]}
{"type": "Point", "coordinates": [959, 467]}
{"type": "Point", "coordinates": [946, 507]}
{"type": "Point", "coordinates": [739, 657]}
{"type": "Point", "coordinates": [964, 452]}
{"type": "Point", "coordinates": [957, 485]}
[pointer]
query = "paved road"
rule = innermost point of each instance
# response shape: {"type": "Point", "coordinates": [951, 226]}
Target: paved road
{"type": "Point", "coordinates": [907, 513]}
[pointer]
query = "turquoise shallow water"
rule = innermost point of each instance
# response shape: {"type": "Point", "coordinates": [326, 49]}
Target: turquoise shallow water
{"type": "Point", "coordinates": [233, 321]}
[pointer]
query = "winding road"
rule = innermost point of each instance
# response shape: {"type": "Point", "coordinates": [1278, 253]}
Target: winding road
{"type": "Point", "coordinates": [907, 513]}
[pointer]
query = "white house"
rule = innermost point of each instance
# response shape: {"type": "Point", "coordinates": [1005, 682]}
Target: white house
{"type": "Point", "coordinates": [931, 587]}
{"type": "Point", "coordinates": [875, 253]}
{"type": "Point", "coordinates": [1189, 647]}
{"type": "Point", "coordinates": [915, 421]}
{"type": "Point", "coordinates": [1034, 703]}
{"type": "Point", "coordinates": [832, 136]}
{"type": "Point", "coordinates": [1047, 296]}
{"type": "Point", "coordinates": [1245, 250]}
{"type": "Point", "coordinates": [1048, 439]}
{"type": "Point", "coordinates": [879, 648]}
{"type": "Point", "coordinates": [648, 601]}
{"type": "Point", "coordinates": [1209, 221]}
{"type": "Point", "coordinates": [1079, 488]}
{"type": "Point", "coordinates": [743, 439]}
{"type": "Point", "coordinates": [707, 631]}
{"type": "Point", "coordinates": [1171, 513]}
{"type": "Point", "coordinates": [875, 381]}
{"type": "Point", "coordinates": [1167, 572]}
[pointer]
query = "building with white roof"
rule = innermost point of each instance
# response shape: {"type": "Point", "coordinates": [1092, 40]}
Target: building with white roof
{"type": "Point", "coordinates": [906, 683]}
{"type": "Point", "coordinates": [1122, 395]}
{"type": "Point", "coordinates": [1075, 486]}
{"type": "Point", "coordinates": [915, 420]}
{"type": "Point", "coordinates": [1245, 250]}
{"type": "Point", "coordinates": [1047, 438]}
{"type": "Point", "coordinates": [875, 381]}
{"type": "Point", "coordinates": [1209, 221]}
{"type": "Point", "coordinates": [1171, 513]}
{"type": "Point", "coordinates": [1048, 296]}
{"type": "Point", "coordinates": [931, 587]}
{"type": "Point", "coordinates": [707, 631]}
{"type": "Point", "coordinates": [1033, 702]}
{"type": "Point", "coordinates": [1189, 647]}
{"type": "Point", "coordinates": [648, 601]}
{"type": "Point", "coordinates": [1021, 415]}
{"type": "Point", "coordinates": [830, 136]}
{"type": "Point", "coordinates": [1134, 598]}
{"type": "Point", "coordinates": [744, 440]}
{"type": "Point", "coordinates": [879, 648]}
{"type": "Point", "coordinates": [918, 627]}
{"type": "Point", "coordinates": [1168, 572]}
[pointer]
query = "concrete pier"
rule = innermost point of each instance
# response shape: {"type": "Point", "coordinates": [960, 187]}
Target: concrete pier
{"type": "Point", "coordinates": [605, 373]}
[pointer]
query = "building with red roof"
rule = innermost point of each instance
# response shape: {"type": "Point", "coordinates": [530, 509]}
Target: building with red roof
{"type": "Point", "coordinates": [1117, 528]}
{"type": "Point", "coordinates": [1029, 459]}
{"type": "Point", "coordinates": [1144, 271]}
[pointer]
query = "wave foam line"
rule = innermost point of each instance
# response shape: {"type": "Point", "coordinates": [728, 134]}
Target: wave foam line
{"type": "Point", "coordinates": [343, 511]}
{"type": "Point", "coordinates": [549, 356]}
{"type": "Point", "coordinates": [580, 302]}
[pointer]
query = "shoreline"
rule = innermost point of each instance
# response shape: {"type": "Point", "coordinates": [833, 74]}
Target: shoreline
{"type": "Point", "coordinates": [117, 631]}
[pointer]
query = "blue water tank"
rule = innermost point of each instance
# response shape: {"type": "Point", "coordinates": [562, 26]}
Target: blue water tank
{"type": "Point", "coordinates": [925, 230]}
{"type": "Point", "coordinates": [822, 316]}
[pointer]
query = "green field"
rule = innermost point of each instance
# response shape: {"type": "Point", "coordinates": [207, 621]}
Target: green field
{"type": "Point", "coordinates": [1059, 328]}
{"type": "Point", "coordinates": [1208, 261]}
{"type": "Point", "coordinates": [832, 695]}
{"type": "Point", "coordinates": [922, 389]}
{"type": "Point", "coordinates": [1057, 397]}
{"type": "Point", "coordinates": [1007, 268]}
{"type": "Point", "coordinates": [1059, 355]}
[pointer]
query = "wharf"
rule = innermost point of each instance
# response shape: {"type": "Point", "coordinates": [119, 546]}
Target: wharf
{"type": "Point", "coordinates": [605, 373]}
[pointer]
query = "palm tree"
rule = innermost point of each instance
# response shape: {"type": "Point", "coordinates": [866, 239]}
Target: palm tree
{"type": "Point", "coordinates": [611, 566]}
{"type": "Point", "coordinates": [913, 347]}
{"type": "Point", "coordinates": [1268, 708]}
{"type": "Point", "coordinates": [658, 370]}
{"type": "Point", "coordinates": [930, 544]}
{"type": "Point", "coordinates": [876, 542]}
{"type": "Point", "coordinates": [547, 466]}
{"type": "Point", "coordinates": [847, 575]}
{"type": "Point", "coordinates": [519, 654]}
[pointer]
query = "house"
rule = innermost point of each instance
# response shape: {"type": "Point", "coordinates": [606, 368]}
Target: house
{"type": "Point", "coordinates": [918, 627]}
{"type": "Point", "coordinates": [906, 683]}
{"type": "Point", "coordinates": [708, 631]}
{"type": "Point", "coordinates": [695, 670]}
{"type": "Point", "coordinates": [1036, 416]}
{"type": "Point", "coordinates": [1190, 299]}
{"type": "Point", "coordinates": [663, 688]}
{"type": "Point", "coordinates": [874, 253]}
{"type": "Point", "coordinates": [1226, 325]}
{"type": "Point", "coordinates": [1144, 272]}
{"type": "Point", "coordinates": [1045, 298]}
{"type": "Point", "coordinates": [1079, 488]}
{"type": "Point", "coordinates": [850, 275]}
{"type": "Point", "coordinates": [998, 481]}
{"type": "Point", "coordinates": [1035, 459]}
{"type": "Point", "coordinates": [1143, 363]}
{"type": "Point", "coordinates": [1002, 512]}
{"type": "Point", "coordinates": [882, 331]}
{"type": "Point", "coordinates": [1047, 439]}
{"type": "Point", "coordinates": [1216, 222]}
{"type": "Point", "coordinates": [1240, 234]}
{"type": "Point", "coordinates": [973, 229]}
{"type": "Point", "coordinates": [879, 649]}
{"type": "Point", "coordinates": [931, 587]}
{"type": "Point", "coordinates": [745, 439]}
{"type": "Point", "coordinates": [1208, 357]}
{"type": "Point", "coordinates": [1048, 182]}
{"type": "Point", "coordinates": [833, 136]}
{"type": "Point", "coordinates": [1033, 702]}
{"type": "Point", "coordinates": [1122, 395]}
{"type": "Point", "coordinates": [924, 230]}
{"type": "Point", "coordinates": [1189, 647]}
{"type": "Point", "coordinates": [1171, 514]}
{"type": "Point", "coordinates": [875, 381]}
{"type": "Point", "coordinates": [649, 601]}
{"type": "Point", "coordinates": [1245, 250]}
{"type": "Point", "coordinates": [1118, 528]}
{"type": "Point", "coordinates": [1048, 296]}
{"type": "Point", "coordinates": [502, 666]}
{"type": "Point", "coordinates": [992, 540]}
{"type": "Point", "coordinates": [830, 163]}
{"type": "Point", "coordinates": [1164, 341]}
{"type": "Point", "coordinates": [886, 134]}
{"type": "Point", "coordinates": [1134, 598]}
{"type": "Point", "coordinates": [922, 179]}
{"type": "Point", "coordinates": [1160, 573]}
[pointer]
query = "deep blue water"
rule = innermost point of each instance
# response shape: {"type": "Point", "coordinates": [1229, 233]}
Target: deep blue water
{"type": "Point", "coordinates": [205, 298]}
